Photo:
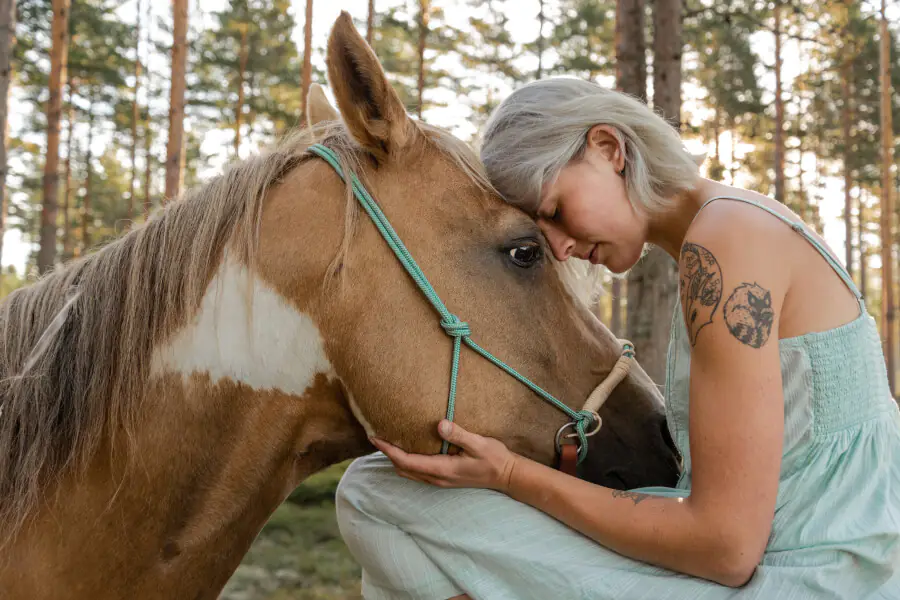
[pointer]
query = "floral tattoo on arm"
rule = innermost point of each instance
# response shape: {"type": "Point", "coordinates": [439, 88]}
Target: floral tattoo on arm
{"type": "Point", "coordinates": [748, 311]}
{"type": "Point", "coordinates": [701, 287]}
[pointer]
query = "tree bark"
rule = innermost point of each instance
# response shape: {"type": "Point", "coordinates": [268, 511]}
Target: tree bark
{"type": "Point", "coordinates": [717, 133]}
{"type": "Point", "coordinates": [176, 100]}
{"type": "Point", "coordinates": [242, 71]}
{"type": "Point", "coordinates": [7, 41]}
{"type": "Point", "coordinates": [542, 18]}
{"type": "Point", "coordinates": [424, 9]}
{"type": "Point", "coordinates": [59, 51]}
{"type": "Point", "coordinates": [86, 208]}
{"type": "Point", "coordinates": [68, 249]}
{"type": "Point", "coordinates": [802, 201]}
{"type": "Point", "coordinates": [667, 48]}
{"type": "Point", "coordinates": [631, 48]}
{"type": "Point", "coordinates": [307, 55]}
{"type": "Point", "coordinates": [653, 282]}
{"type": "Point", "coordinates": [631, 78]}
{"type": "Point", "coordinates": [887, 201]}
{"type": "Point", "coordinates": [731, 165]}
{"type": "Point", "coordinates": [370, 23]}
{"type": "Point", "coordinates": [846, 111]}
{"type": "Point", "coordinates": [148, 132]}
{"type": "Point", "coordinates": [861, 242]}
{"type": "Point", "coordinates": [135, 116]}
{"type": "Point", "coordinates": [779, 109]}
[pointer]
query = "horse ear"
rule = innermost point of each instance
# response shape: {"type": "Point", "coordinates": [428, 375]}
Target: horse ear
{"type": "Point", "coordinates": [371, 109]}
{"type": "Point", "coordinates": [318, 108]}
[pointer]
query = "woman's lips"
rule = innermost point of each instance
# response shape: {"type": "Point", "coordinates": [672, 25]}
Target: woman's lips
{"type": "Point", "coordinates": [592, 256]}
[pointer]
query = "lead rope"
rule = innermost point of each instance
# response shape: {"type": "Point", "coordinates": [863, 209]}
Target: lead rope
{"type": "Point", "coordinates": [459, 330]}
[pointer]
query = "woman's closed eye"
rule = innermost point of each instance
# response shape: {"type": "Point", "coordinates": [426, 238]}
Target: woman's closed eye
{"type": "Point", "coordinates": [556, 214]}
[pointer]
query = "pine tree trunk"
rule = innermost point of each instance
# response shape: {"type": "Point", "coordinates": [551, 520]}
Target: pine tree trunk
{"type": "Point", "coordinates": [307, 55]}
{"type": "Point", "coordinates": [732, 126]}
{"type": "Point", "coordinates": [148, 132]}
{"type": "Point", "coordinates": [176, 100]}
{"type": "Point", "coordinates": [779, 110]}
{"type": "Point", "coordinates": [7, 41]}
{"type": "Point", "coordinates": [135, 116]}
{"type": "Point", "coordinates": [424, 9]}
{"type": "Point", "coordinates": [631, 48]}
{"type": "Point", "coordinates": [653, 282]}
{"type": "Point", "coordinates": [68, 250]}
{"type": "Point", "coordinates": [59, 51]}
{"type": "Point", "coordinates": [86, 201]}
{"type": "Point", "coordinates": [846, 112]}
{"type": "Point", "coordinates": [861, 242]}
{"type": "Point", "coordinates": [887, 209]}
{"type": "Point", "coordinates": [802, 201]}
{"type": "Point", "coordinates": [148, 167]}
{"type": "Point", "coordinates": [370, 23]}
{"type": "Point", "coordinates": [242, 71]}
{"type": "Point", "coordinates": [631, 78]}
{"type": "Point", "coordinates": [542, 18]}
{"type": "Point", "coordinates": [717, 133]}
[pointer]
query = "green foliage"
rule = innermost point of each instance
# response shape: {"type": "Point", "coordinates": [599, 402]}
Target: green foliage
{"type": "Point", "coordinates": [584, 38]}
{"type": "Point", "coordinates": [487, 53]}
{"type": "Point", "coordinates": [272, 101]}
{"type": "Point", "coordinates": [396, 43]}
{"type": "Point", "coordinates": [299, 555]}
{"type": "Point", "coordinates": [320, 487]}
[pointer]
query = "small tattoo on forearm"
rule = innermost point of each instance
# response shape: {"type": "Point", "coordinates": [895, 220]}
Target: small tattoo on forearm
{"type": "Point", "coordinates": [635, 497]}
{"type": "Point", "coordinates": [701, 287]}
{"type": "Point", "coordinates": [749, 314]}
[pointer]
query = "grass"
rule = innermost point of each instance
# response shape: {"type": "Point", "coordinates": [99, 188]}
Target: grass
{"type": "Point", "coordinates": [299, 554]}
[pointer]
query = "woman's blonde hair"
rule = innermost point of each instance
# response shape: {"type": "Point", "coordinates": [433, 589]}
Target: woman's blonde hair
{"type": "Point", "coordinates": [543, 125]}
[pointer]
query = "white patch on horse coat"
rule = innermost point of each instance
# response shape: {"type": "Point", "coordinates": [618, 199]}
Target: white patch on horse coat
{"type": "Point", "coordinates": [354, 408]}
{"type": "Point", "coordinates": [246, 332]}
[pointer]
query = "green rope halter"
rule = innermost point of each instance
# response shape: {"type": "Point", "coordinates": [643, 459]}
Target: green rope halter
{"type": "Point", "coordinates": [452, 325]}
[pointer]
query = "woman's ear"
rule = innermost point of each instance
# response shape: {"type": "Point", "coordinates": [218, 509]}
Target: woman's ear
{"type": "Point", "coordinates": [608, 140]}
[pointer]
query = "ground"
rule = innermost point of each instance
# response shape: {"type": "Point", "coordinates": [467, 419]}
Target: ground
{"type": "Point", "coordinates": [299, 555]}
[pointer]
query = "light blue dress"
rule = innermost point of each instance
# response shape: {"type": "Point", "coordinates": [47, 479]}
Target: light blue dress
{"type": "Point", "coordinates": [836, 532]}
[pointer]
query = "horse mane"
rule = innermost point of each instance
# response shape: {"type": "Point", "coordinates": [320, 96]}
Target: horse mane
{"type": "Point", "coordinates": [76, 348]}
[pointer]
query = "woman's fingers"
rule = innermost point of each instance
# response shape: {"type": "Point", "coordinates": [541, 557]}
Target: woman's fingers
{"type": "Point", "coordinates": [456, 435]}
{"type": "Point", "coordinates": [435, 466]}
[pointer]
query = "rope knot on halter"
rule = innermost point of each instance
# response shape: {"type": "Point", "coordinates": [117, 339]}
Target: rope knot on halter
{"type": "Point", "coordinates": [455, 328]}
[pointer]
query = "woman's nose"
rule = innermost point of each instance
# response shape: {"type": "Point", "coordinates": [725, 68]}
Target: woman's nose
{"type": "Point", "coordinates": [562, 245]}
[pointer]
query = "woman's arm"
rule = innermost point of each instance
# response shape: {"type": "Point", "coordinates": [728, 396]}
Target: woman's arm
{"type": "Point", "coordinates": [731, 298]}
{"type": "Point", "coordinates": [732, 292]}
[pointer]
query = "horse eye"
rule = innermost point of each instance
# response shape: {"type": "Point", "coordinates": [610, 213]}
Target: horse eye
{"type": "Point", "coordinates": [526, 255]}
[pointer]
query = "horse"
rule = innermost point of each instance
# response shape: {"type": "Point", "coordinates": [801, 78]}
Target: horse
{"type": "Point", "coordinates": [163, 395]}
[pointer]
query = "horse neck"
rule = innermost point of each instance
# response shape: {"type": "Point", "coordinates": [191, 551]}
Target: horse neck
{"type": "Point", "coordinates": [242, 405]}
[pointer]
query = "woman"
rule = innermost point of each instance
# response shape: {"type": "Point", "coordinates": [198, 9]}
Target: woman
{"type": "Point", "coordinates": [791, 483]}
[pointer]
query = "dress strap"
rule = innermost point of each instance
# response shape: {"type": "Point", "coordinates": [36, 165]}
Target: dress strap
{"type": "Point", "coordinates": [800, 228]}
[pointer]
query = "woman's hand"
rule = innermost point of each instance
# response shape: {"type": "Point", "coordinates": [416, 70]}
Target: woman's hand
{"type": "Point", "coordinates": [483, 463]}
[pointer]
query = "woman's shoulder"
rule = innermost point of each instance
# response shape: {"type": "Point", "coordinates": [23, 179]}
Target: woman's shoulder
{"type": "Point", "coordinates": [745, 231]}
{"type": "Point", "coordinates": [760, 236]}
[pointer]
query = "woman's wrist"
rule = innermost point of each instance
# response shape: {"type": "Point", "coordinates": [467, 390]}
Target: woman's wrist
{"type": "Point", "coordinates": [505, 483]}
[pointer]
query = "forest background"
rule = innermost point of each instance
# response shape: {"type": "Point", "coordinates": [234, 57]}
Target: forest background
{"type": "Point", "coordinates": [109, 108]}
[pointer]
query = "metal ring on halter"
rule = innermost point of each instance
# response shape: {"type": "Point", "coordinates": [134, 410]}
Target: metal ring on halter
{"type": "Point", "coordinates": [559, 436]}
{"type": "Point", "coordinates": [598, 423]}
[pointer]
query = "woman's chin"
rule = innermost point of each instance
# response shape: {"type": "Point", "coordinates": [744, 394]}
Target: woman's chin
{"type": "Point", "coordinates": [617, 265]}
